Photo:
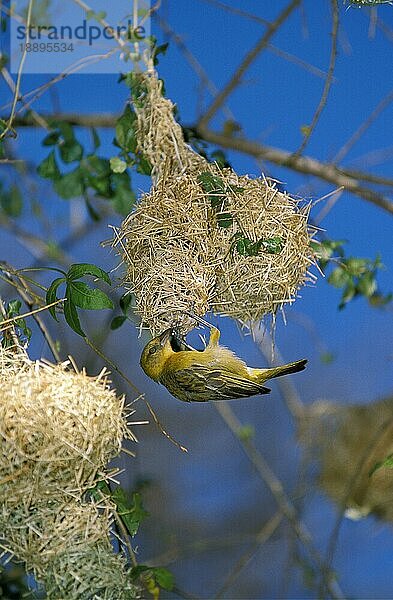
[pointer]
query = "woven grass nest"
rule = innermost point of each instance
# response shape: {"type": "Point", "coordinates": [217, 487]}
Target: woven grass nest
{"type": "Point", "coordinates": [241, 250]}
{"type": "Point", "coordinates": [205, 238]}
{"type": "Point", "coordinates": [351, 443]}
{"type": "Point", "coordinates": [59, 428]}
{"type": "Point", "coordinates": [67, 548]}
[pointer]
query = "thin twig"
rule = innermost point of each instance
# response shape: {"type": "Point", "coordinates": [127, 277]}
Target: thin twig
{"type": "Point", "coordinates": [328, 82]}
{"type": "Point", "coordinates": [277, 490]}
{"type": "Point", "coordinates": [263, 536]}
{"type": "Point", "coordinates": [285, 385]}
{"type": "Point", "coordinates": [30, 313]}
{"type": "Point", "coordinates": [124, 376]}
{"type": "Point", "coordinates": [382, 104]}
{"type": "Point", "coordinates": [19, 74]}
{"type": "Point", "coordinates": [29, 298]}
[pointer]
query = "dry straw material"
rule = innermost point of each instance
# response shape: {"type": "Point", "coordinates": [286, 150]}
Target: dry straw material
{"type": "Point", "coordinates": [184, 248]}
{"type": "Point", "coordinates": [351, 444]}
{"type": "Point", "coordinates": [67, 548]}
{"type": "Point", "coordinates": [205, 238]}
{"type": "Point", "coordinates": [59, 428]}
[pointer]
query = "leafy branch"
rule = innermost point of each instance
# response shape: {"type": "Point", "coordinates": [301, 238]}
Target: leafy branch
{"type": "Point", "coordinates": [353, 275]}
{"type": "Point", "coordinates": [78, 294]}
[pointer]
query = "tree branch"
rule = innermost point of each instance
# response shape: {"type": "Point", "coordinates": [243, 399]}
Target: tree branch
{"type": "Point", "coordinates": [329, 172]}
{"type": "Point", "coordinates": [301, 164]}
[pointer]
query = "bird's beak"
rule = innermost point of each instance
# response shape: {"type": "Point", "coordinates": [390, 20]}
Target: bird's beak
{"type": "Point", "coordinates": [165, 337]}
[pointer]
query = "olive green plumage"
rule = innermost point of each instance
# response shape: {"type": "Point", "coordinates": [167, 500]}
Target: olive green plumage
{"type": "Point", "coordinates": [215, 373]}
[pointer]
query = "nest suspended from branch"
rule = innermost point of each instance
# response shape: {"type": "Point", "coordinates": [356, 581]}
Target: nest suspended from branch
{"type": "Point", "coordinates": [59, 428]}
{"type": "Point", "coordinates": [67, 548]}
{"type": "Point", "coordinates": [205, 238]}
{"type": "Point", "coordinates": [351, 444]}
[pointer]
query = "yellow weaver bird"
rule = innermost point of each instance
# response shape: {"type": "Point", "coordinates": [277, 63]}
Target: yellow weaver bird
{"type": "Point", "coordinates": [215, 373]}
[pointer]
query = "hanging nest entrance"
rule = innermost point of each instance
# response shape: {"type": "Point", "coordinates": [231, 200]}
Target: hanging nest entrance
{"type": "Point", "coordinates": [205, 238]}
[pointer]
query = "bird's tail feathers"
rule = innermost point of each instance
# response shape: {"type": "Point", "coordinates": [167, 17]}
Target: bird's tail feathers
{"type": "Point", "coordinates": [293, 367]}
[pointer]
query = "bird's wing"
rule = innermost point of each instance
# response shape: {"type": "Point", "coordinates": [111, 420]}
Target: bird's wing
{"type": "Point", "coordinates": [199, 383]}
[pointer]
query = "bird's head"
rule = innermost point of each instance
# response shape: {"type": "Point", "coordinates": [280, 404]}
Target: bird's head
{"type": "Point", "coordinates": [156, 353]}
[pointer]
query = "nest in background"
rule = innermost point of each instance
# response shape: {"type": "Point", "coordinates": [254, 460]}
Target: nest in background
{"type": "Point", "coordinates": [186, 248]}
{"type": "Point", "coordinates": [350, 442]}
{"type": "Point", "coordinates": [67, 547]}
{"type": "Point", "coordinates": [58, 428]}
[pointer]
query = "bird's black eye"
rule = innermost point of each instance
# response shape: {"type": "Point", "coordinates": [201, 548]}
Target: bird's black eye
{"type": "Point", "coordinates": [153, 349]}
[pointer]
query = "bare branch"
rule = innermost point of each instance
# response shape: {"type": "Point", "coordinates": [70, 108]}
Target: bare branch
{"type": "Point", "coordinates": [363, 128]}
{"type": "Point", "coordinates": [247, 61]}
{"type": "Point", "coordinates": [283, 502]}
{"type": "Point", "coordinates": [263, 536]}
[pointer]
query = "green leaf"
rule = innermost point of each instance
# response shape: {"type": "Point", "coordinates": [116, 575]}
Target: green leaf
{"type": "Point", "coordinates": [272, 245]}
{"type": "Point", "coordinates": [144, 167]}
{"type": "Point", "coordinates": [132, 514]}
{"type": "Point", "coordinates": [367, 284]}
{"type": "Point", "coordinates": [102, 186]}
{"type": "Point", "coordinates": [97, 166]}
{"type": "Point", "coordinates": [124, 197]}
{"type": "Point", "coordinates": [219, 157]}
{"type": "Point", "coordinates": [327, 358]}
{"type": "Point", "coordinates": [348, 293]}
{"type": "Point", "coordinates": [86, 297]}
{"type": "Point", "coordinates": [125, 301]}
{"type": "Point", "coordinates": [386, 462]}
{"type": "Point", "coordinates": [339, 277]}
{"type": "Point", "coordinates": [356, 266]}
{"type": "Point", "coordinates": [235, 189]}
{"type": "Point", "coordinates": [379, 300]}
{"type": "Point", "coordinates": [70, 185]}
{"type": "Point", "coordinates": [325, 249]}
{"type": "Point", "coordinates": [78, 270]}
{"type": "Point", "coordinates": [164, 578]}
{"type": "Point", "coordinates": [67, 131]}
{"type": "Point", "coordinates": [224, 220]}
{"type": "Point", "coordinates": [71, 316]}
{"type": "Point", "coordinates": [118, 322]}
{"type": "Point", "coordinates": [125, 130]}
{"type": "Point", "coordinates": [211, 183]}
{"type": "Point", "coordinates": [51, 295]}
{"type": "Point", "coordinates": [92, 212]}
{"type": "Point", "coordinates": [117, 164]}
{"type": "Point", "coordinates": [51, 139]}
{"type": "Point", "coordinates": [71, 151]}
{"type": "Point", "coordinates": [246, 433]}
{"type": "Point", "coordinates": [161, 576]}
{"type": "Point", "coordinates": [159, 50]}
{"type": "Point", "coordinates": [11, 202]}
{"type": "Point", "coordinates": [217, 202]}
{"type": "Point", "coordinates": [48, 168]}
{"type": "Point", "coordinates": [96, 139]}
{"type": "Point", "coordinates": [13, 308]}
